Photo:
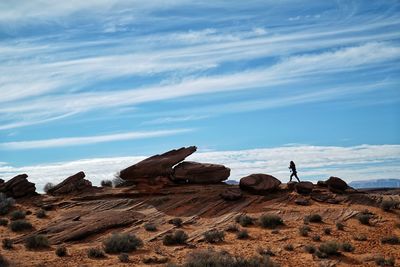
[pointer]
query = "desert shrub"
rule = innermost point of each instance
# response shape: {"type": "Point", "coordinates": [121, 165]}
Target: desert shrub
{"type": "Point", "coordinates": [214, 236]}
{"type": "Point", "coordinates": [270, 221]}
{"type": "Point", "coordinates": [95, 253]}
{"type": "Point", "coordinates": [150, 227]}
{"type": "Point", "coordinates": [304, 230]}
{"type": "Point", "coordinates": [347, 247]}
{"type": "Point", "coordinates": [360, 237]}
{"type": "Point", "coordinates": [20, 225]}
{"type": "Point", "coordinates": [123, 257]}
{"type": "Point", "coordinates": [364, 217]}
{"type": "Point", "coordinates": [3, 261]}
{"type": "Point", "coordinates": [37, 242]}
{"type": "Point", "coordinates": [329, 248]}
{"type": "Point", "coordinates": [123, 242]}
{"type": "Point", "coordinates": [61, 251]}
{"type": "Point", "coordinates": [391, 240]}
{"type": "Point", "coordinates": [47, 187]}
{"type": "Point", "coordinates": [244, 220]}
{"type": "Point", "coordinates": [176, 221]}
{"type": "Point", "coordinates": [177, 238]}
{"type": "Point", "coordinates": [6, 203]}
{"type": "Point", "coordinates": [118, 182]}
{"type": "Point", "coordinates": [17, 215]}
{"type": "Point", "coordinates": [3, 222]}
{"type": "Point", "coordinates": [289, 247]}
{"type": "Point", "coordinates": [41, 214]}
{"type": "Point", "coordinates": [106, 183]}
{"type": "Point", "coordinates": [388, 205]}
{"type": "Point", "coordinates": [327, 231]}
{"type": "Point", "coordinates": [314, 218]}
{"type": "Point", "coordinates": [381, 261]}
{"type": "Point", "coordinates": [309, 249]}
{"type": "Point", "coordinates": [265, 252]}
{"type": "Point", "coordinates": [316, 238]}
{"type": "Point", "coordinates": [232, 228]}
{"type": "Point", "coordinates": [340, 226]}
{"type": "Point", "coordinates": [7, 243]}
{"type": "Point", "coordinates": [242, 234]}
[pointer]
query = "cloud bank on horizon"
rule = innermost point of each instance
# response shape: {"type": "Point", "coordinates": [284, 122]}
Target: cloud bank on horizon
{"type": "Point", "coordinates": [109, 81]}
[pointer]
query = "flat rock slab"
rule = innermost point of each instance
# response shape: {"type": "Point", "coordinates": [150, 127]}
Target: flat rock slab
{"type": "Point", "coordinates": [200, 173]}
{"type": "Point", "coordinates": [259, 183]}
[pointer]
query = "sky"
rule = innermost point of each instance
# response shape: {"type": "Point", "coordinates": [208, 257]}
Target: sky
{"type": "Point", "coordinates": [99, 85]}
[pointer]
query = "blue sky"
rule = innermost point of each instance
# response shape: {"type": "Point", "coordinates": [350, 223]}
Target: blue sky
{"type": "Point", "coordinates": [89, 81]}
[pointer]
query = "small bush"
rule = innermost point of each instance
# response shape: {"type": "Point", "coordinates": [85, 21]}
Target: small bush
{"type": "Point", "coordinates": [327, 231]}
{"type": "Point", "coordinates": [381, 261]}
{"type": "Point", "coordinates": [20, 225]}
{"type": "Point", "coordinates": [3, 261]}
{"type": "Point", "coordinates": [309, 249]}
{"type": "Point", "coordinates": [3, 222]}
{"type": "Point", "coordinates": [7, 243]}
{"type": "Point", "coordinates": [289, 247]}
{"type": "Point", "coordinates": [314, 218]}
{"type": "Point", "coordinates": [176, 221]}
{"type": "Point", "coordinates": [95, 253]}
{"type": "Point", "coordinates": [347, 247]}
{"type": "Point", "coordinates": [243, 234]}
{"type": "Point", "coordinates": [244, 220]}
{"type": "Point", "coordinates": [265, 252]}
{"type": "Point", "coordinates": [270, 221]}
{"type": "Point", "coordinates": [304, 230]}
{"type": "Point", "coordinates": [316, 238]}
{"type": "Point", "coordinates": [150, 227]}
{"type": "Point", "coordinates": [61, 251]}
{"type": "Point", "coordinates": [106, 183]}
{"type": "Point", "coordinates": [388, 205]}
{"type": "Point", "coordinates": [123, 242]}
{"type": "Point", "coordinates": [41, 214]}
{"type": "Point", "coordinates": [6, 203]}
{"type": "Point", "coordinates": [232, 228]}
{"type": "Point", "coordinates": [364, 218]}
{"type": "Point", "coordinates": [391, 240]}
{"type": "Point", "coordinates": [214, 236]}
{"type": "Point", "coordinates": [17, 215]}
{"type": "Point", "coordinates": [118, 182]}
{"type": "Point", "coordinates": [329, 248]}
{"type": "Point", "coordinates": [177, 238]}
{"type": "Point", "coordinates": [360, 237]}
{"type": "Point", "coordinates": [340, 226]}
{"type": "Point", "coordinates": [47, 187]}
{"type": "Point", "coordinates": [37, 242]}
{"type": "Point", "coordinates": [123, 257]}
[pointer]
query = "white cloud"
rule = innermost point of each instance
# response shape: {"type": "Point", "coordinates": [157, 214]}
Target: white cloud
{"type": "Point", "coordinates": [363, 162]}
{"type": "Point", "coordinates": [74, 141]}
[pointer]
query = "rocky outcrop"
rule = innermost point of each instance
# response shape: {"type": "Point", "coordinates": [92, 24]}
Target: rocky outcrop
{"type": "Point", "coordinates": [200, 173]}
{"type": "Point", "coordinates": [259, 183]}
{"type": "Point", "coordinates": [231, 194]}
{"type": "Point", "coordinates": [335, 184]}
{"type": "Point", "coordinates": [291, 185]}
{"type": "Point", "coordinates": [156, 166]}
{"type": "Point", "coordinates": [1, 181]}
{"type": "Point", "coordinates": [19, 186]}
{"type": "Point", "coordinates": [73, 184]}
{"type": "Point", "coordinates": [304, 188]}
{"type": "Point", "coordinates": [322, 184]}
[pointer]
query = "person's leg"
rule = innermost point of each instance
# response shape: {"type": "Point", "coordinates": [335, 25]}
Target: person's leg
{"type": "Point", "coordinates": [295, 175]}
{"type": "Point", "coordinates": [291, 176]}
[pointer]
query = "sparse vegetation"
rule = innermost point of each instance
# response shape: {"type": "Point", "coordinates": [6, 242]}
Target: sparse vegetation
{"type": "Point", "coordinates": [118, 181]}
{"type": "Point", "coordinates": [232, 228]}
{"type": "Point", "coordinates": [3, 261]}
{"type": "Point", "coordinates": [7, 243]}
{"type": "Point", "coordinates": [41, 214]}
{"type": "Point", "coordinates": [37, 242]}
{"type": "Point", "coordinates": [106, 183]}
{"type": "Point", "coordinates": [3, 222]}
{"type": "Point", "coordinates": [327, 231]}
{"type": "Point", "coordinates": [316, 238]}
{"type": "Point", "coordinates": [314, 218]}
{"type": "Point", "coordinates": [347, 247]}
{"type": "Point", "coordinates": [214, 236]}
{"type": "Point", "coordinates": [47, 187]}
{"type": "Point", "coordinates": [150, 227]}
{"type": "Point", "coordinates": [244, 220]}
{"type": "Point", "coordinates": [360, 237]}
{"type": "Point", "coordinates": [381, 261]}
{"type": "Point", "coordinates": [17, 215]}
{"type": "Point", "coordinates": [6, 203]}
{"type": "Point", "coordinates": [123, 242]}
{"type": "Point", "coordinates": [123, 257]}
{"type": "Point", "coordinates": [95, 253]}
{"type": "Point", "coordinates": [270, 221]}
{"type": "Point", "coordinates": [388, 205]}
{"type": "Point", "coordinates": [61, 251]}
{"type": "Point", "coordinates": [304, 230]}
{"type": "Point", "coordinates": [242, 234]}
{"type": "Point", "coordinates": [364, 217]}
{"type": "Point", "coordinates": [176, 221]}
{"type": "Point", "coordinates": [179, 237]}
{"type": "Point", "coordinates": [309, 249]}
{"type": "Point", "coordinates": [391, 240]}
{"type": "Point", "coordinates": [328, 248]}
{"type": "Point", "coordinates": [340, 226]}
{"type": "Point", "coordinates": [20, 225]}
{"type": "Point", "coordinates": [289, 247]}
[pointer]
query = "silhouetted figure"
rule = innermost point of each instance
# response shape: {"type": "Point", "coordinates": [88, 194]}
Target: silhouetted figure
{"type": "Point", "coordinates": [292, 167]}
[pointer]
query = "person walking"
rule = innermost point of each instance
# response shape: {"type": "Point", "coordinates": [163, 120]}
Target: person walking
{"type": "Point", "coordinates": [292, 167]}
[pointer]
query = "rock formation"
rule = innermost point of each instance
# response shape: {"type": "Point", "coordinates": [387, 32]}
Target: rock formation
{"type": "Point", "coordinates": [72, 184]}
{"type": "Point", "coordinates": [200, 173]}
{"type": "Point", "coordinates": [259, 183]}
{"type": "Point", "coordinates": [304, 187]}
{"type": "Point", "coordinates": [19, 186]}
{"type": "Point", "coordinates": [335, 184]}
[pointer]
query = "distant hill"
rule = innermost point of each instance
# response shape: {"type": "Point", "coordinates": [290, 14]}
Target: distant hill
{"type": "Point", "coordinates": [231, 182]}
{"type": "Point", "coordinates": [377, 183]}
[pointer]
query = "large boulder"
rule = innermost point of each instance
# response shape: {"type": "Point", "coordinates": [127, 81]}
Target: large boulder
{"type": "Point", "coordinates": [73, 184]}
{"type": "Point", "coordinates": [335, 184]}
{"type": "Point", "coordinates": [19, 186]}
{"type": "Point", "coordinates": [304, 188]}
{"type": "Point", "coordinates": [156, 166]}
{"type": "Point", "coordinates": [200, 173]}
{"type": "Point", "coordinates": [259, 183]}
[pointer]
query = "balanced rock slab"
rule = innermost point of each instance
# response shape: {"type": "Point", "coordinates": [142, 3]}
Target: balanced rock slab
{"type": "Point", "coordinates": [259, 183]}
{"type": "Point", "coordinates": [200, 173]}
{"type": "Point", "coordinates": [336, 184]}
{"type": "Point", "coordinates": [304, 187]}
{"type": "Point", "coordinates": [19, 186]}
{"type": "Point", "coordinates": [73, 184]}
